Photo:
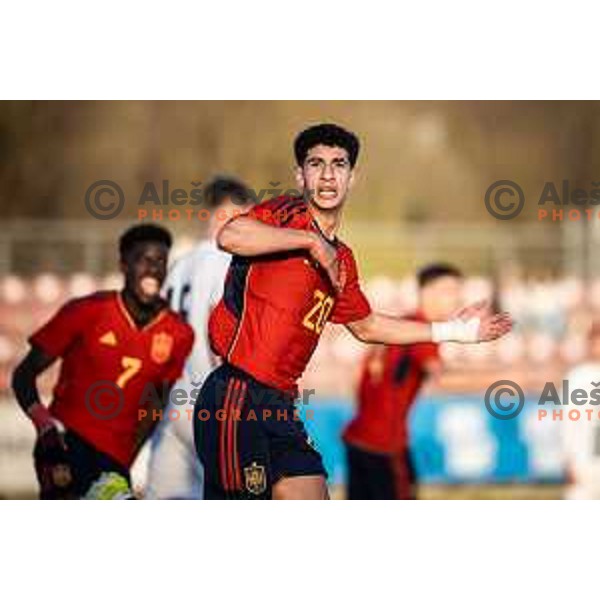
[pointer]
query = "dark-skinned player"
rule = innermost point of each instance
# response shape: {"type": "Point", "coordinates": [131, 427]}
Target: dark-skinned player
{"type": "Point", "coordinates": [125, 344]}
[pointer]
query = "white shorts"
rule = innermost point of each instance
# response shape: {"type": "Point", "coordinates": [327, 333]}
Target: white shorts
{"type": "Point", "coordinates": [174, 471]}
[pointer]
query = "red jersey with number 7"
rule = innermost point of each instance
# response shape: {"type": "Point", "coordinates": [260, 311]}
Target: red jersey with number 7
{"type": "Point", "coordinates": [110, 367]}
{"type": "Point", "coordinates": [275, 306]}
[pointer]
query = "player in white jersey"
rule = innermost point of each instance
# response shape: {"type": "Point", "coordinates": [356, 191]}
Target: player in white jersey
{"type": "Point", "coordinates": [194, 286]}
{"type": "Point", "coordinates": [581, 438]}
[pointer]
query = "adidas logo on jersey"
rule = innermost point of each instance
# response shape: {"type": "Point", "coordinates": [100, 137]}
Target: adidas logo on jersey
{"type": "Point", "coordinates": [109, 339]}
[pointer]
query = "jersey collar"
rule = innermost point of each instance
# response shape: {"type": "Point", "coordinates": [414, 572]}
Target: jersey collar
{"type": "Point", "coordinates": [159, 317]}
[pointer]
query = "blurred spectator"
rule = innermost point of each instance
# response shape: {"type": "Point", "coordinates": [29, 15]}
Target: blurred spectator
{"type": "Point", "coordinates": [581, 435]}
{"type": "Point", "coordinates": [551, 321]}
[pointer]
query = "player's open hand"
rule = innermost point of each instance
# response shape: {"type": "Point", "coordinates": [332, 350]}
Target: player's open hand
{"type": "Point", "coordinates": [473, 324]}
{"type": "Point", "coordinates": [491, 326]}
{"type": "Point", "coordinates": [494, 326]}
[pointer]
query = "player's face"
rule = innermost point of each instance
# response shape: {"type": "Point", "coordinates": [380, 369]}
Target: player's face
{"type": "Point", "coordinates": [326, 175]}
{"type": "Point", "coordinates": [145, 269]}
{"type": "Point", "coordinates": [442, 297]}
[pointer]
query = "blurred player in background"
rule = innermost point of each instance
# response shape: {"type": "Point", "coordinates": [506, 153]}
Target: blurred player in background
{"type": "Point", "coordinates": [290, 275]}
{"type": "Point", "coordinates": [193, 286]}
{"type": "Point", "coordinates": [377, 443]}
{"type": "Point", "coordinates": [126, 345]}
{"type": "Point", "coordinates": [581, 438]}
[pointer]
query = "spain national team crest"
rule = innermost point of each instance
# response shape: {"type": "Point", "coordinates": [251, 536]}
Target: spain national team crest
{"type": "Point", "coordinates": [162, 344]}
{"type": "Point", "coordinates": [61, 475]}
{"type": "Point", "coordinates": [256, 479]}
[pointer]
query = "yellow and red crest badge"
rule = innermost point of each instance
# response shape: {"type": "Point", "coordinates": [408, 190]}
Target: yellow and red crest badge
{"type": "Point", "coordinates": [256, 479]}
{"type": "Point", "coordinates": [162, 344]}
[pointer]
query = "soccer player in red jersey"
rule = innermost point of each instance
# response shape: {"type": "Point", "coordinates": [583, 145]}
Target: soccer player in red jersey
{"type": "Point", "coordinates": [289, 276]}
{"type": "Point", "coordinates": [125, 345]}
{"type": "Point", "coordinates": [377, 448]}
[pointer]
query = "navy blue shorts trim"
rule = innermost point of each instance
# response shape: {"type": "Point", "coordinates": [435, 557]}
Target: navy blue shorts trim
{"type": "Point", "coordinates": [248, 436]}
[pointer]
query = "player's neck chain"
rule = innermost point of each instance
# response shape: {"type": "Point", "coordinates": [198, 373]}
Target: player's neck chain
{"type": "Point", "coordinates": [329, 239]}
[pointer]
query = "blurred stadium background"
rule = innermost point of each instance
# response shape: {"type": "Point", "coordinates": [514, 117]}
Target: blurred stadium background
{"type": "Point", "coordinates": [422, 178]}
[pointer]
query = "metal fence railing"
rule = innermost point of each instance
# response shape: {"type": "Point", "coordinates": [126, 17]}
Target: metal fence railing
{"type": "Point", "coordinates": [28, 247]}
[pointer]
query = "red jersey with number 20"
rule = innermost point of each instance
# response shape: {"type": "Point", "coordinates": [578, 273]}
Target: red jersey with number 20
{"type": "Point", "coordinates": [104, 351]}
{"type": "Point", "coordinates": [275, 306]}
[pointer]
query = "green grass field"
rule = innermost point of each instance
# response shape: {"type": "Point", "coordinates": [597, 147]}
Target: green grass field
{"type": "Point", "coordinates": [479, 492]}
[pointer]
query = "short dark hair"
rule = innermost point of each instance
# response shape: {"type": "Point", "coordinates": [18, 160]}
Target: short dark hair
{"type": "Point", "coordinates": [326, 134]}
{"type": "Point", "coordinates": [223, 187]}
{"type": "Point", "coordinates": [143, 233]}
{"type": "Point", "coordinates": [436, 271]}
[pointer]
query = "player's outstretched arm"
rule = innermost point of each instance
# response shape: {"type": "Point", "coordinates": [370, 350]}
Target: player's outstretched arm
{"type": "Point", "coordinates": [472, 325]}
{"type": "Point", "coordinates": [246, 236]}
